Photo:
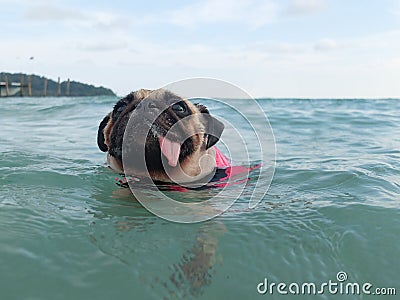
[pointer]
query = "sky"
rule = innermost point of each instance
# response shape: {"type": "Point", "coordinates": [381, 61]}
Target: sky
{"type": "Point", "coordinates": [269, 48]}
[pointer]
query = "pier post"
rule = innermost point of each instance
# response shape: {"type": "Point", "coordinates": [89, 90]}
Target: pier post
{"type": "Point", "coordinates": [22, 85]}
{"type": "Point", "coordinates": [29, 86]}
{"type": "Point", "coordinates": [59, 88]}
{"type": "Point", "coordinates": [7, 90]}
{"type": "Point", "coordinates": [67, 90]}
{"type": "Point", "coordinates": [45, 87]}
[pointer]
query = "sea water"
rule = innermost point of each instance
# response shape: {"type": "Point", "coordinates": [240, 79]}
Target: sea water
{"type": "Point", "coordinates": [68, 231]}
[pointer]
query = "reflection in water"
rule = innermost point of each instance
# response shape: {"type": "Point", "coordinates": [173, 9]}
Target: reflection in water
{"type": "Point", "coordinates": [194, 271]}
{"type": "Point", "coordinates": [137, 233]}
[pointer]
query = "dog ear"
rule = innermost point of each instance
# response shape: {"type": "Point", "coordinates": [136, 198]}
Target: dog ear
{"type": "Point", "coordinates": [100, 134]}
{"type": "Point", "coordinates": [201, 108]}
{"type": "Point", "coordinates": [214, 129]}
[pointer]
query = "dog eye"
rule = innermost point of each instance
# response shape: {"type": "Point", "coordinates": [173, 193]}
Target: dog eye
{"type": "Point", "coordinates": [178, 108]}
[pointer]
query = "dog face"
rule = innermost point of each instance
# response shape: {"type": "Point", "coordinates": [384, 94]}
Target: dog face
{"type": "Point", "coordinates": [160, 126]}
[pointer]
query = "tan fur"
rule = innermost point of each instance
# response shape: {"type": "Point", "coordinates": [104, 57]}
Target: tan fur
{"type": "Point", "coordinates": [143, 93]}
{"type": "Point", "coordinates": [193, 168]}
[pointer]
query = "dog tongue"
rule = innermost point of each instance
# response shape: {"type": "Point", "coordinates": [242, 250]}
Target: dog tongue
{"type": "Point", "coordinates": [171, 150]}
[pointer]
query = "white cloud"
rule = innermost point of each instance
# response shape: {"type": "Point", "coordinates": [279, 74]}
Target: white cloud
{"type": "Point", "coordinates": [325, 45]}
{"type": "Point", "coordinates": [305, 7]}
{"type": "Point", "coordinates": [46, 12]}
{"type": "Point", "coordinates": [279, 47]}
{"type": "Point", "coordinates": [102, 46]}
{"type": "Point", "coordinates": [49, 12]}
{"type": "Point", "coordinates": [254, 13]}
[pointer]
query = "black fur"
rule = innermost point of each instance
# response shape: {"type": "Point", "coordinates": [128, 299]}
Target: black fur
{"type": "Point", "coordinates": [100, 134]}
{"type": "Point", "coordinates": [214, 131]}
{"type": "Point", "coordinates": [214, 127]}
{"type": "Point", "coordinates": [120, 106]}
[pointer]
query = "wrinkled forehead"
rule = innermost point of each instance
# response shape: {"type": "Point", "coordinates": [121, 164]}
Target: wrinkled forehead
{"type": "Point", "coordinates": [164, 98]}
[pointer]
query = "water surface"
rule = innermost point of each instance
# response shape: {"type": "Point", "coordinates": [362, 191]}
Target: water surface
{"type": "Point", "coordinates": [69, 232]}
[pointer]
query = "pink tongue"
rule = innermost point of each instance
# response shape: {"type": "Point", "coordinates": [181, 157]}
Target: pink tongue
{"type": "Point", "coordinates": [171, 150]}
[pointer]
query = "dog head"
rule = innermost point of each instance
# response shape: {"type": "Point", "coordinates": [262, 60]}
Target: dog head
{"type": "Point", "coordinates": [160, 126]}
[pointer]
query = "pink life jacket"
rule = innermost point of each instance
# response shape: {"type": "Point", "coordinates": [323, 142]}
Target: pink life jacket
{"type": "Point", "coordinates": [221, 160]}
{"type": "Point", "coordinates": [223, 172]}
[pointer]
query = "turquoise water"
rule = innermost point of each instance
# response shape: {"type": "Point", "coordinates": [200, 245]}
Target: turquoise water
{"type": "Point", "coordinates": [69, 232]}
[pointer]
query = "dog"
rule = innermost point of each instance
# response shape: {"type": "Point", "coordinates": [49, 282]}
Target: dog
{"type": "Point", "coordinates": [158, 134]}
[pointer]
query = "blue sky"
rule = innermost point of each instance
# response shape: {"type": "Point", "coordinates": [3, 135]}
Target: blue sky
{"type": "Point", "coordinates": [270, 48]}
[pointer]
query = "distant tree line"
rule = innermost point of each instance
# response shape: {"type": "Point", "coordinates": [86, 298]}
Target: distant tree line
{"type": "Point", "coordinates": [76, 89]}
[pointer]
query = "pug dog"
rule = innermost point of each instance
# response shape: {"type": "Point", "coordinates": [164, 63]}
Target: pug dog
{"type": "Point", "coordinates": [158, 134]}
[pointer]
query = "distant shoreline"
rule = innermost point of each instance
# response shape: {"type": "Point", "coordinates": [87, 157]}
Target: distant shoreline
{"type": "Point", "coordinates": [26, 85]}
